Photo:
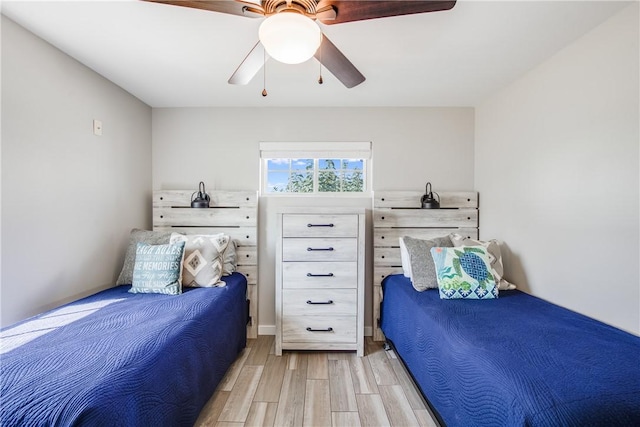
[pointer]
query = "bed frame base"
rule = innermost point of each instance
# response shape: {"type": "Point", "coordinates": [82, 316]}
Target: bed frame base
{"type": "Point", "coordinates": [388, 346]}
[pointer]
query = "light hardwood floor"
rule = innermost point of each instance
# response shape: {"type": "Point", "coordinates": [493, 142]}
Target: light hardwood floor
{"type": "Point", "coordinates": [315, 389]}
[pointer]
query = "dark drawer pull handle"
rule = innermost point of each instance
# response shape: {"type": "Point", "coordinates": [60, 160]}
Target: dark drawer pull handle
{"type": "Point", "coordinates": [319, 275]}
{"type": "Point", "coordinates": [319, 249]}
{"type": "Point", "coordinates": [319, 225]}
{"type": "Point", "coordinates": [320, 330]}
{"type": "Point", "coordinates": [319, 302]}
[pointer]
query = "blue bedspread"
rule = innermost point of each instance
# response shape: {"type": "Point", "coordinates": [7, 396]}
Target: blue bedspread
{"type": "Point", "coordinates": [122, 359]}
{"type": "Point", "coordinates": [513, 361]}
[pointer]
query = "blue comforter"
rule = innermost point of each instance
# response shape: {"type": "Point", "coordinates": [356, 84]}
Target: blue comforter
{"type": "Point", "coordinates": [122, 359]}
{"type": "Point", "coordinates": [513, 361]}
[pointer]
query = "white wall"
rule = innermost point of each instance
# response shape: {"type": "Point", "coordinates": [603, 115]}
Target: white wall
{"type": "Point", "coordinates": [557, 170]}
{"type": "Point", "coordinates": [69, 198]}
{"type": "Point", "coordinates": [221, 147]}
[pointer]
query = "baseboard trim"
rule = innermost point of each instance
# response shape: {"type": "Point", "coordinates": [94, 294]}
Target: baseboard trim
{"type": "Point", "coordinates": [271, 330]}
{"type": "Point", "coordinates": [266, 329]}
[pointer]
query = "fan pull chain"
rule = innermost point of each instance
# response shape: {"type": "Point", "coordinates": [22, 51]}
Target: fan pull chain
{"type": "Point", "coordinates": [264, 72]}
{"type": "Point", "coordinates": [320, 81]}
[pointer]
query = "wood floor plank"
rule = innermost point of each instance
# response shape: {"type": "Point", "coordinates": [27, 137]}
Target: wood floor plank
{"type": "Point", "coordinates": [414, 398]}
{"type": "Point", "coordinates": [293, 361]}
{"type": "Point", "coordinates": [381, 367]}
{"type": "Point", "coordinates": [315, 388]}
{"type": "Point", "coordinates": [371, 410]}
{"type": "Point", "coordinates": [290, 410]}
{"type": "Point", "coordinates": [271, 381]}
{"type": "Point", "coordinates": [211, 411]}
{"type": "Point", "coordinates": [364, 382]}
{"type": "Point", "coordinates": [345, 419]}
{"type": "Point", "coordinates": [317, 366]}
{"type": "Point", "coordinates": [239, 402]}
{"type": "Point", "coordinates": [232, 374]}
{"type": "Point", "coordinates": [339, 355]}
{"type": "Point", "coordinates": [397, 406]}
{"type": "Point", "coordinates": [260, 350]}
{"type": "Point", "coordinates": [261, 414]}
{"type": "Point", "coordinates": [343, 395]}
{"type": "Point", "coordinates": [424, 418]}
{"type": "Point", "coordinates": [317, 404]}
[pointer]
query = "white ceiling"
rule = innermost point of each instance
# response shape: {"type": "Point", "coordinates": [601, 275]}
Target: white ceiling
{"type": "Point", "coordinates": [170, 56]}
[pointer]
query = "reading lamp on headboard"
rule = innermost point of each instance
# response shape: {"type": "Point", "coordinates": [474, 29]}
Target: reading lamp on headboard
{"type": "Point", "coordinates": [202, 199]}
{"type": "Point", "coordinates": [428, 201]}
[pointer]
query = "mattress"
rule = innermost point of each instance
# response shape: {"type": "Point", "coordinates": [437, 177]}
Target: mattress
{"type": "Point", "coordinates": [122, 359]}
{"type": "Point", "coordinates": [513, 361]}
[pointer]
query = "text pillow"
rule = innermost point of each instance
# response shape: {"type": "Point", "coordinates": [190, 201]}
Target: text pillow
{"type": "Point", "coordinates": [158, 269]}
{"type": "Point", "coordinates": [464, 273]}
{"type": "Point", "coordinates": [139, 236]}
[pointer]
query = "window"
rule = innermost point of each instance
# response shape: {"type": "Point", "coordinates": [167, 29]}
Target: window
{"type": "Point", "coordinates": [315, 168]}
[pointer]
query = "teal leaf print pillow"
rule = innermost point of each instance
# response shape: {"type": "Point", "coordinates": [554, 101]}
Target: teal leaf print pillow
{"type": "Point", "coordinates": [464, 272]}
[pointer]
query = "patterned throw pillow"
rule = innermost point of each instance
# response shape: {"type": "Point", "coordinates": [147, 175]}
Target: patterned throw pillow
{"type": "Point", "coordinates": [495, 257]}
{"type": "Point", "coordinates": [203, 258]}
{"type": "Point", "coordinates": [229, 258]}
{"type": "Point", "coordinates": [158, 269]}
{"type": "Point", "coordinates": [464, 273]}
{"type": "Point", "coordinates": [417, 263]}
{"type": "Point", "coordinates": [136, 236]}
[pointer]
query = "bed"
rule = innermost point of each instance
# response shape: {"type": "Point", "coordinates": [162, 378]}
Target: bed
{"type": "Point", "coordinates": [512, 361]}
{"type": "Point", "coordinates": [121, 358]}
{"type": "Point", "coordinates": [117, 358]}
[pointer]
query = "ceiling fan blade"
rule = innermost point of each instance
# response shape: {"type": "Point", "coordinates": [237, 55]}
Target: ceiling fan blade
{"type": "Point", "coordinates": [334, 61]}
{"type": "Point", "coordinates": [241, 8]}
{"type": "Point", "coordinates": [357, 10]}
{"type": "Point", "coordinates": [250, 66]}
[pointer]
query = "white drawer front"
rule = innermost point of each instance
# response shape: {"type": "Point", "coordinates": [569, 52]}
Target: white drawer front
{"type": "Point", "coordinates": [319, 275]}
{"type": "Point", "coordinates": [319, 225]}
{"type": "Point", "coordinates": [319, 249]}
{"type": "Point", "coordinates": [313, 302]}
{"type": "Point", "coordinates": [337, 329]}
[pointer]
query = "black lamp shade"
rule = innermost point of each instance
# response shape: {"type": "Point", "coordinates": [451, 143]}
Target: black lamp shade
{"type": "Point", "coordinates": [428, 201]}
{"type": "Point", "coordinates": [202, 199]}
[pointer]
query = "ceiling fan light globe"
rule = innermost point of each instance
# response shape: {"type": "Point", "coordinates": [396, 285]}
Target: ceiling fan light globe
{"type": "Point", "coordinates": [290, 37]}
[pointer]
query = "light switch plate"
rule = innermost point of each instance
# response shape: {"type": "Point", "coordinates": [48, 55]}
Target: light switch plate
{"type": "Point", "coordinates": [97, 127]}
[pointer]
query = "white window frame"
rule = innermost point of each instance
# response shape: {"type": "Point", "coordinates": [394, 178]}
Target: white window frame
{"type": "Point", "coordinates": [316, 150]}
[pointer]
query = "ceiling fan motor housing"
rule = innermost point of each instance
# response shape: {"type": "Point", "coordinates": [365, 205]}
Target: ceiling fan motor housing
{"type": "Point", "coordinates": [306, 7]}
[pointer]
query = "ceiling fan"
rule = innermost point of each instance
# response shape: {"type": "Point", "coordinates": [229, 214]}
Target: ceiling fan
{"type": "Point", "coordinates": [300, 16]}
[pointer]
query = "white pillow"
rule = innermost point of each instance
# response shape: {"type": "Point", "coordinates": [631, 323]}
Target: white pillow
{"type": "Point", "coordinates": [406, 260]}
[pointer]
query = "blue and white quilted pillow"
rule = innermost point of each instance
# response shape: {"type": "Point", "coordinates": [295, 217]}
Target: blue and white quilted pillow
{"type": "Point", "coordinates": [464, 272]}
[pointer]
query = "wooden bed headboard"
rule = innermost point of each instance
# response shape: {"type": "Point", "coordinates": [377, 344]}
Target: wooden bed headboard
{"type": "Point", "coordinates": [399, 213]}
{"type": "Point", "coordinates": [232, 212]}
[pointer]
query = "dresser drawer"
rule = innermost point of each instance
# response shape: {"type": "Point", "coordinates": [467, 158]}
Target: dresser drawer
{"type": "Point", "coordinates": [310, 329]}
{"type": "Point", "coordinates": [319, 225]}
{"type": "Point", "coordinates": [319, 249]}
{"type": "Point", "coordinates": [319, 275]}
{"type": "Point", "coordinates": [329, 302]}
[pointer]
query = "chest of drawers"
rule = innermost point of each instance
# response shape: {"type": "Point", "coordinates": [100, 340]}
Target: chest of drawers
{"type": "Point", "coordinates": [320, 280]}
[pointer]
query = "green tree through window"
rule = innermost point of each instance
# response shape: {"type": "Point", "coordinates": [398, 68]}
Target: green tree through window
{"type": "Point", "coordinates": [298, 175]}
